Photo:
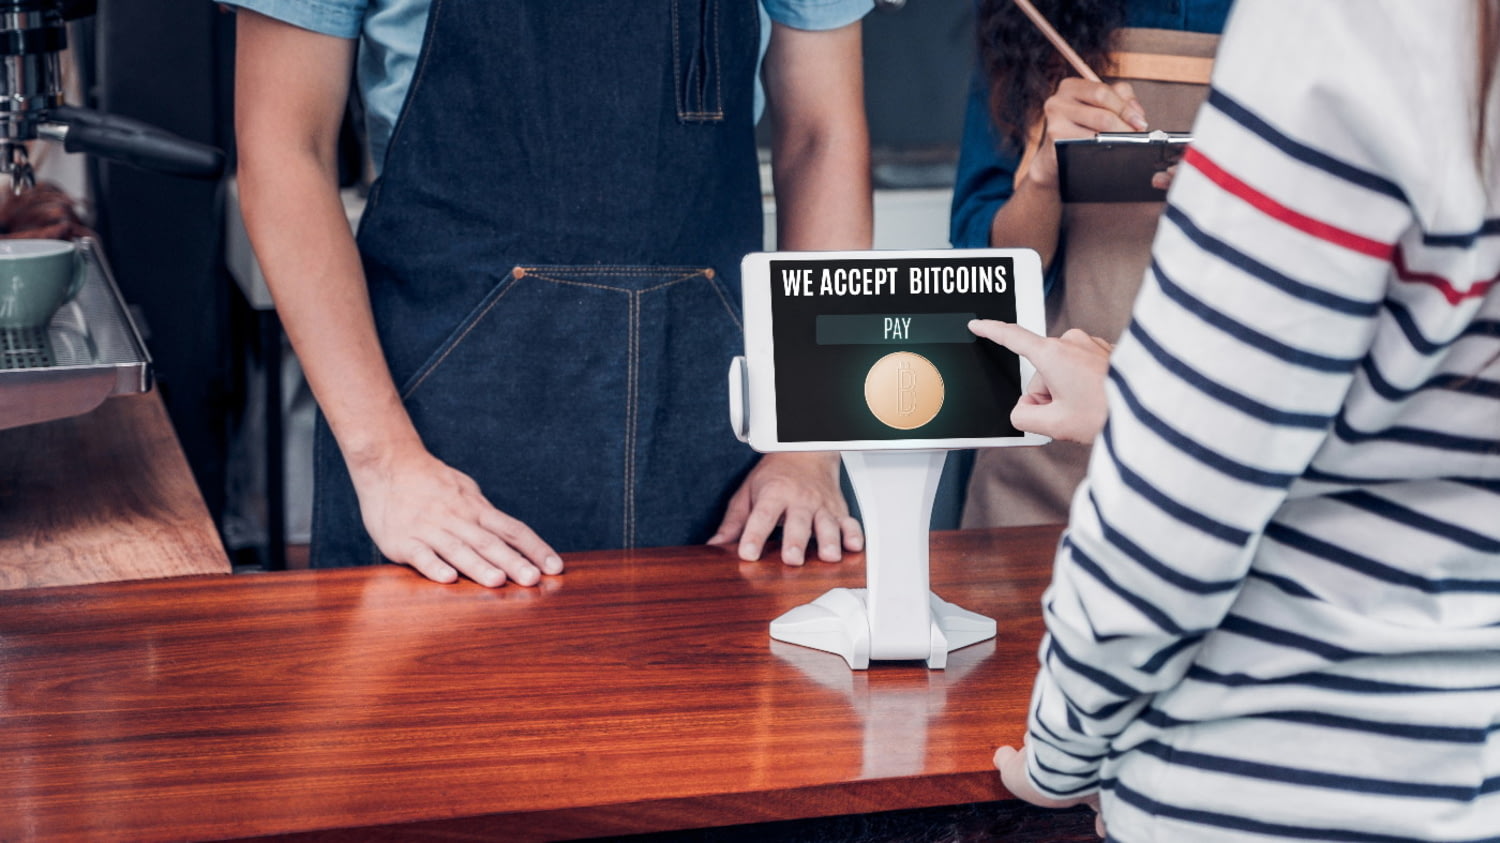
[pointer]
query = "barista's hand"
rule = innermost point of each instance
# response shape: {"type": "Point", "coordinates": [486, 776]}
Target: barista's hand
{"type": "Point", "coordinates": [1065, 398]}
{"type": "Point", "coordinates": [1012, 766]}
{"type": "Point", "coordinates": [1082, 109]}
{"type": "Point", "coordinates": [424, 513]}
{"type": "Point", "coordinates": [1163, 179]}
{"type": "Point", "coordinates": [801, 492]}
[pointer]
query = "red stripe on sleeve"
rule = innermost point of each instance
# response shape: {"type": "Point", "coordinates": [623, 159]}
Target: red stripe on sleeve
{"type": "Point", "coordinates": [1271, 208]}
{"type": "Point", "coordinates": [1330, 233]}
{"type": "Point", "coordinates": [1443, 285]}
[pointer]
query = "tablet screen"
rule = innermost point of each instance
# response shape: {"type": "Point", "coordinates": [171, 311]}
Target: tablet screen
{"type": "Point", "coordinates": [876, 348]}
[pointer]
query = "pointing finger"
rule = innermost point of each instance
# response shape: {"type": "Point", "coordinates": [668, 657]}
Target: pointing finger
{"type": "Point", "coordinates": [1010, 335]}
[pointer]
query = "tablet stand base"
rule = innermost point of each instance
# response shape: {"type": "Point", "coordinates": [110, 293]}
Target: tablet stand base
{"type": "Point", "coordinates": [895, 616]}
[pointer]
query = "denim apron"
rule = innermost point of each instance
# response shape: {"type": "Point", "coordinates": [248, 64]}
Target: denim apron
{"type": "Point", "coordinates": [553, 252]}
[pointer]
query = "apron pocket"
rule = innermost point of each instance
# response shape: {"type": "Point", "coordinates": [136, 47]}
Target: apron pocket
{"type": "Point", "coordinates": [568, 297]}
{"type": "Point", "coordinates": [588, 400]}
{"type": "Point", "coordinates": [695, 61]}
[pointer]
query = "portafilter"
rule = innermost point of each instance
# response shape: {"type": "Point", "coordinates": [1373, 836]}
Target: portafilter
{"type": "Point", "coordinates": [33, 34]}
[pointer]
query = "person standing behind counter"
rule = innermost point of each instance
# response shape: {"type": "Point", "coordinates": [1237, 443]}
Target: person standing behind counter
{"type": "Point", "coordinates": [1275, 613]}
{"type": "Point", "coordinates": [526, 351]}
{"type": "Point", "coordinates": [1095, 254]}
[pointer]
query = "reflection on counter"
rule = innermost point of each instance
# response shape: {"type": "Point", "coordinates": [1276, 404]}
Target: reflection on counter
{"type": "Point", "coordinates": [100, 497]}
{"type": "Point", "coordinates": [895, 702]}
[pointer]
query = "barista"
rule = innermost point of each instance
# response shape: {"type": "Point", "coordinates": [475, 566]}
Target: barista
{"type": "Point", "coordinates": [1153, 52]}
{"type": "Point", "coordinates": [526, 352]}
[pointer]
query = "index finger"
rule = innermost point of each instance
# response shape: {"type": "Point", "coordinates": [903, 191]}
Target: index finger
{"type": "Point", "coordinates": [1118, 99]}
{"type": "Point", "coordinates": [1010, 335]}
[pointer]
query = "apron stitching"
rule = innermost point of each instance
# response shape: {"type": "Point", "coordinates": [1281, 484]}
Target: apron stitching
{"type": "Point", "coordinates": [453, 346]}
{"type": "Point", "coordinates": [612, 268]}
{"type": "Point", "coordinates": [590, 269]}
{"type": "Point", "coordinates": [575, 283]}
{"type": "Point", "coordinates": [663, 285]}
{"type": "Point", "coordinates": [676, 64]}
{"type": "Point", "coordinates": [572, 283]}
{"type": "Point", "coordinates": [727, 307]}
{"type": "Point", "coordinates": [632, 385]}
{"type": "Point", "coordinates": [704, 22]}
{"type": "Point", "coordinates": [702, 273]}
{"type": "Point", "coordinates": [678, 89]}
{"type": "Point", "coordinates": [718, 113]}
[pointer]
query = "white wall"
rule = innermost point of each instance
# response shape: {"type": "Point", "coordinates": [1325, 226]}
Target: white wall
{"type": "Point", "coordinates": [904, 219]}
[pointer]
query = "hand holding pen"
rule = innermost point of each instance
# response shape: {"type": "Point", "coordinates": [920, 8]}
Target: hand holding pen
{"type": "Point", "coordinates": [1079, 108]}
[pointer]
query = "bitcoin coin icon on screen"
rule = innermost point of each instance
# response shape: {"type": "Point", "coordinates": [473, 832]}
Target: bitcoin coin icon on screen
{"type": "Point", "coordinates": [904, 390]}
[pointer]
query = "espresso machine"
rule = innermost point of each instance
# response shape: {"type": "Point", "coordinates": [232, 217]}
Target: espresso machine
{"type": "Point", "coordinates": [92, 349]}
{"type": "Point", "coordinates": [33, 33]}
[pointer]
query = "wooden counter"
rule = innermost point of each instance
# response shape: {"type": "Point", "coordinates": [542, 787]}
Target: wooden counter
{"type": "Point", "coordinates": [101, 497]}
{"type": "Point", "coordinates": [637, 692]}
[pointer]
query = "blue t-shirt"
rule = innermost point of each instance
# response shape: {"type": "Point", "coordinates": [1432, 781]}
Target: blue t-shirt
{"type": "Point", "coordinates": [986, 172]}
{"type": "Point", "coordinates": [390, 33]}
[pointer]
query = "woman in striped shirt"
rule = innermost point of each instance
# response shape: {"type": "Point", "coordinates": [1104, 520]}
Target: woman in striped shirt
{"type": "Point", "coordinates": [1276, 611]}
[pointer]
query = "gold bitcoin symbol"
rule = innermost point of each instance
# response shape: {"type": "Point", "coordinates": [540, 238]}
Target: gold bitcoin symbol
{"type": "Point", "coordinates": [904, 390]}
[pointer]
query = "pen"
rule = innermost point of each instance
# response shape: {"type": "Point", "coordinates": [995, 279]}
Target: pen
{"type": "Point", "coordinates": [1057, 41]}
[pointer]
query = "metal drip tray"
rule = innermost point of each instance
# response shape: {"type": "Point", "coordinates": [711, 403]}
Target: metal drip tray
{"type": "Point", "coordinates": [90, 351]}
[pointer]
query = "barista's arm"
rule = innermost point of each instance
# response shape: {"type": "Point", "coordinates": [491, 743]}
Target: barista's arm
{"type": "Point", "coordinates": [1032, 218]}
{"type": "Point", "coordinates": [291, 86]}
{"type": "Point", "coordinates": [820, 159]}
{"type": "Point", "coordinates": [820, 145]}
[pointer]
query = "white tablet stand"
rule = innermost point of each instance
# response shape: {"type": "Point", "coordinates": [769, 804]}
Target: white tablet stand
{"type": "Point", "coordinates": [895, 616]}
{"type": "Point", "coordinates": [895, 474]}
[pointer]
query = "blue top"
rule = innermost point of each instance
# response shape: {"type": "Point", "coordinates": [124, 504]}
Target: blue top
{"type": "Point", "coordinates": [986, 171]}
{"type": "Point", "coordinates": [391, 38]}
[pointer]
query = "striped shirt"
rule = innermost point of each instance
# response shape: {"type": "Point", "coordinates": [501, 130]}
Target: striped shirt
{"type": "Point", "coordinates": [1276, 611]}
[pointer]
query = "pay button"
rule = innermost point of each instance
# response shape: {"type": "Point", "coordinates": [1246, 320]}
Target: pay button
{"type": "Point", "coordinates": [894, 328]}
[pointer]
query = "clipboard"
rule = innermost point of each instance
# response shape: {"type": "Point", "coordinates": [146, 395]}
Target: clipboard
{"type": "Point", "coordinates": [1117, 167]}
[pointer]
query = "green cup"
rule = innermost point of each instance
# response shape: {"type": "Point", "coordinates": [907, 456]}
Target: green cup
{"type": "Point", "coordinates": [36, 278]}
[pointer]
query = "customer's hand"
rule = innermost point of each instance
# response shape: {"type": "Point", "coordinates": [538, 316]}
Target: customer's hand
{"type": "Point", "coordinates": [1065, 398]}
{"type": "Point", "coordinates": [1081, 109]}
{"type": "Point", "coordinates": [1011, 763]}
{"type": "Point", "coordinates": [422, 512]}
{"type": "Point", "coordinates": [801, 493]}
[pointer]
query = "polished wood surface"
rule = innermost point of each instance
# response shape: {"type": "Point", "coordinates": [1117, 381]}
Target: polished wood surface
{"type": "Point", "coordinates": [101, 497]}
{"type": "Point", "coordinates": [637, 692]}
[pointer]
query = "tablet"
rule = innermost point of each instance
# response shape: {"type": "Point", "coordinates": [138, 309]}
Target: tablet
{"type": "Point", "coordinates": [871, 350]}
{"type": "Point", "coordinates": [1116, 167]}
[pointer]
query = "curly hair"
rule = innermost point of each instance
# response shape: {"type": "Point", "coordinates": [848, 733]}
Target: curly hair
{"type": "Point", "coordinates": [1489, 52]}
{"type": "Point", "coordinates": [1023, 68]}
{"type": "Point", "coordinates": [44, 211]}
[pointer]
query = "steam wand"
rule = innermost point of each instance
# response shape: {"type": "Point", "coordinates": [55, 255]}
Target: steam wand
{"type": "Point", "coordinates": [33, 34]}
{"type": "Point", "coordinates": [15, 160]}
